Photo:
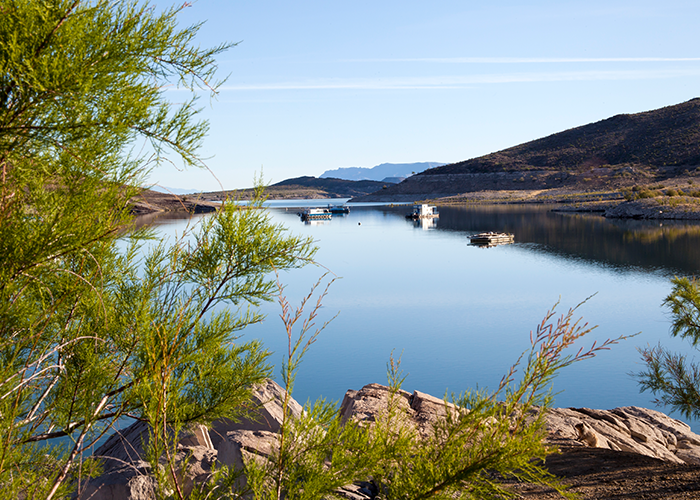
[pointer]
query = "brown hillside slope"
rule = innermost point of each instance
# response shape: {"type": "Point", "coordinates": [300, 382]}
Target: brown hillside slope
{"type": "Point", "coordinates": [617, 152]}
{"type": "Point", "coordinates": [306, 187]}
{"type": "Point", "coordinates": [668, 136]}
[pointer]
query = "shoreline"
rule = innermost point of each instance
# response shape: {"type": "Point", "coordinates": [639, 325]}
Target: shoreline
{"type": "Point", "coordinates": [627, 452]}
{"type": "Point", "coordinates": [609, 204]}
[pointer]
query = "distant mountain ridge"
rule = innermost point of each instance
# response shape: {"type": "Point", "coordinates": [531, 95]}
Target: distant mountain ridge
{"type": "Point", "coordinates": [381, 172]}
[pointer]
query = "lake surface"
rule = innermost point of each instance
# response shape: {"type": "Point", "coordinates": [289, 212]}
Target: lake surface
{"type": "Point", "coordinates": [460, 315]}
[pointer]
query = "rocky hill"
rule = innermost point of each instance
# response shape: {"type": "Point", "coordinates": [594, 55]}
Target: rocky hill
{"type": "Point", "coordinates": [306, 187]}
{"type": "Point", "coordinates": [618, 152]}
{"type": "Point", "coordinates": [664, 137]}
{"type": "Point", "coordinates": [153, 202]}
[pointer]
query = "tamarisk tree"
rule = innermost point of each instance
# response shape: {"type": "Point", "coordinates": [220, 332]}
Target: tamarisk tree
{"type": "Point", "coordinates": [671, 376]}
{"type": "Point", "coordinates": [94, 330]}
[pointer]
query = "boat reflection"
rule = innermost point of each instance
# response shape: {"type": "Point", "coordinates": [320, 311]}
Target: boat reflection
{"type": "Point", "coordinates": [425, 224]}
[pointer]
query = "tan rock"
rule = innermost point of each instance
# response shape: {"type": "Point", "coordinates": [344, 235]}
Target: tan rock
{"type": "Point", "coordinates": [689, 456]}
{"type": "Point", "coordinates": [239, 445]}
{"type": "Point", "coordinates": [632, 429]}
{"type": "Point", "coordinates": [266, 415]}
{"type": "Point", "coordinates": [587, 435]}
{"type": "Point", "coordinates": [127, 476]}
{"type": "Point", "coordinates": [373, 401]}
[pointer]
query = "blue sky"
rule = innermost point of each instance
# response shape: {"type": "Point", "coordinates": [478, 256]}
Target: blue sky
{"type": "Point", "coordinates": [317, 85]}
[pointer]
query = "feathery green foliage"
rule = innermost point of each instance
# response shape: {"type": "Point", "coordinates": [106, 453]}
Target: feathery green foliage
{"type": "Point", "coordinates": [482, 438]}
{"type": "Point", "coordinates": [671, 376]}
{"type": "Point", "coordinates": [91, 333]}
{"type": "Point", "coordinates": [477, 441]}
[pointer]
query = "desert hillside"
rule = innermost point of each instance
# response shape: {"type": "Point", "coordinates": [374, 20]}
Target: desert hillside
{"type": "Point", "coordinates": [612, 154]}
{"type": "Point", "coordinates": [306, 187]}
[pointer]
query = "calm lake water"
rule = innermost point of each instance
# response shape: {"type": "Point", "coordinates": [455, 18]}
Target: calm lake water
{"type": "Point", "coordinates": [459, 315]}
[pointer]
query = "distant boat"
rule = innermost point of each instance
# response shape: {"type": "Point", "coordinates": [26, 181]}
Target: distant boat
{"type": "Point", "coordinates": [492, 239]}
{"type": "Point", "coordinates": [338, 209]}
{"type": "Point", "coordinates": [423, 211]}
{"type": "Point", "coordinates": [315, 214]}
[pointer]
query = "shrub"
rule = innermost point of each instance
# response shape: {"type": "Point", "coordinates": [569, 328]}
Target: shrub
{"type": "Point", "coordinates": [670, 376]}
{"type": "Point", "coordinates": [480, 438]}
{"type": "Point", "coordinates": [91, 330]}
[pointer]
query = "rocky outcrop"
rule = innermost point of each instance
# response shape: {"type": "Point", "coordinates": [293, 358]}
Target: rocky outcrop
{"type": "Point", "coordinates": [630, 428]}
{"type": "Point", "coordinates": [673, 208]}
{"type": "Point", "coordinates": [127, 475]}
{"type": "Point", "coordinates": [148, 202]}
{"type": "Point", "coordinates": [419, 409]}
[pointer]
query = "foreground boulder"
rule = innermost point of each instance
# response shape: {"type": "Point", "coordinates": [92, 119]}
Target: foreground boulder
{"type": "Point", "coordinates": [127, 475]}
{"type": "Point", "coordinates": [630, 428]}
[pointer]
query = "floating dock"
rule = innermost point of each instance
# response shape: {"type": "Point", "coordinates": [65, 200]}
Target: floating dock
{"type": "Point", "coordinates": [492, 239]}
{"type": "Point", "coordinates": [315, 214]}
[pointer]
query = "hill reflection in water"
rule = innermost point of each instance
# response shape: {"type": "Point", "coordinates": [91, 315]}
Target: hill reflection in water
{"type": "Point", "coordinates": [669, 246]}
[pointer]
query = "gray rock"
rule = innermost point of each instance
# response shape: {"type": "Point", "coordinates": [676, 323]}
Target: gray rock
{"type": "Point", "coordinates": [652, 208]}
{"type": "Point", "coordinates": [127, 446]}
{"type": "Point", "coordinates": [134, 480]}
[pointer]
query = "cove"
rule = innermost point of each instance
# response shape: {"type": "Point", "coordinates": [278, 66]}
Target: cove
{"type": "Point", "coordinates": [459, 315]}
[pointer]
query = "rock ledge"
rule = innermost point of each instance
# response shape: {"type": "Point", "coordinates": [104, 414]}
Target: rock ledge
{"type": "Point", "coordinates": [127, 475]}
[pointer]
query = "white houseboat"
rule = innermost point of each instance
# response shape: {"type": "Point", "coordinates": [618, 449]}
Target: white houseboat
{"type": "Point", "coordinates": [423, 211]}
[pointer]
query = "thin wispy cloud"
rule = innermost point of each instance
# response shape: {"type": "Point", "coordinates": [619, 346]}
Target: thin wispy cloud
{"type": "Point", "coordinates": [528, 60]}
{"type": "Point", "coordinates": [463, 81]}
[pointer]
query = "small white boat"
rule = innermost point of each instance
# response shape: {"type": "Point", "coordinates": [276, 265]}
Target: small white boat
{"type": "Point", "coordinates": [338, 209]}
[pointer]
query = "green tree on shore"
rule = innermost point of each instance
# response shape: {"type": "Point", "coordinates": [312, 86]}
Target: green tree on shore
{"type": "Point", "coordinates": [90, 332]}
{"type": "Point", "coordinates": [668, 375]}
